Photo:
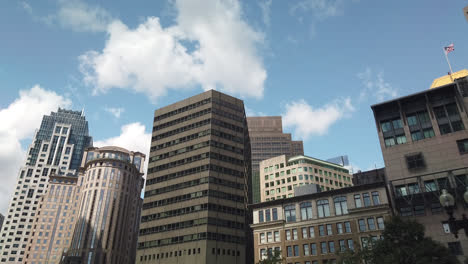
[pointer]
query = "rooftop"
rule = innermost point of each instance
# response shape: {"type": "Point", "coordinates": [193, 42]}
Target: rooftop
{"type": "Point", "coordinates": [447, 79]}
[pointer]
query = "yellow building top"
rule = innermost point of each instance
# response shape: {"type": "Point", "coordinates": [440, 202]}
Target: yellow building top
{"type": "Point", "coordinates": [441, 81]}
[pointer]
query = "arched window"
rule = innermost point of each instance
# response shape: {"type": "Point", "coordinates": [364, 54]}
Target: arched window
{"type": "Point", "coordinates": [306, 210]}
{"type": "Point", "coordinates": [290, 213]}
{"type": "Point", "coordinates": [323, 208]}
{"type": "Point", "coordinates": [341, 207]}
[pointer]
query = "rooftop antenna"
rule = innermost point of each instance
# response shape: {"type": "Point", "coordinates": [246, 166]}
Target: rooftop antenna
{"type": "Point", "coordinates": [82, 112]}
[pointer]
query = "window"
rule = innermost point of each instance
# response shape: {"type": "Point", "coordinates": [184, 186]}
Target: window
{"type": "Point", "coordinates": [288, 234]}
{"type": "Point", "coordinates": [339, 228]}
{"type": "Point", "coordinates": [260, 216]}
{"type": "Point", "coordinates": [306, 210]}
{"type": "Point", "coordinates": [321, 230]}
{"type": "Point", "coordinates": [268, 215]}
{"type": "Point", "coordinates": [323, 246]}
{"type": "Point", "coordinates": [329, 230]}
{"type": "Point", "coordinates": [448, 118]}
{"type": "Point", "coordinates": [263, 254]}
{"type": "Point", "coordinates": [290, 213]}
{"type": "Point", "coordinates": [275, 214]}
{"type": "Point", "coordinates": [313, 249]}
{"type": "Point", "coordinates": [401, 190]}
{"type": "Point", "coordinates": [455, 248]}
{"type": "Point", "coordinates": [366, 198]}
{"type": "Point", "coordinates": [306, 249]}
{"type": "Point", "coordinates": [364, 242]}
{"type": "Point", "coordinates": [413, 188]}
{"type": "Point", "coordinates": [331, 246]}
{"type": "Point", "coordinates": [269, 237]}
{"type": "Point", "coordinates": [294, 234]}
{"type": "Point", "coordinates": [375, 198]}
{"type": "Point", "coordinates": [393, 132]}
{"type": "Point", "coordinates": [380, 223]}
{"type": "Point", "coordinates": [357, 200]}
{"type": "Point", "coordinates": [371, 223]}
{"type": "Point", "coordinates": [277, 236]}
{"type": "Point", "coordinates": [362, 225]}
{"type": "Point", "coordinates": [296, 250]}
{"type": "Point", "coordinates": [415, 161]}
{"type": "Point", "coordinates": [347, 227]}
{"type": "Point", "coordinates": [420, 125]}
{"type": "Point", "coordinates": [430, 186]}
{"type": "Point", "coordinates": [351, 244]}
{"type": "Point", "coordinates": [289, 251]}
{"type": "Point", "coordinates": [341, 206]}
{"type": "Point", "coordinates": [323, 208]}
{"type": "Point", "coordinates": [463, 146]}
{"type": "Point", "coordinates": [262, 238]}
{"type": "Point", "coordinates": [311, 232]}
{"type": "Point", "coordinates": [342, 245]}
{"type": "Point", "coordinates": [304, 232]}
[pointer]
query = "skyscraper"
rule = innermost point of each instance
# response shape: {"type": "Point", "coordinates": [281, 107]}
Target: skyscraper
{"type": "Point", "coordinates": [268, 140]}
{"type": "Point", "coordinates": [57, 148]}
{"type": "Point", "coordinates": [195, 205]}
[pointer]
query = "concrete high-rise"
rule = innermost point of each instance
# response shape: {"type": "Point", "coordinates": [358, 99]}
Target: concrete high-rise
{"type": "Point", "coordinates": [268, 140]}
{"type": "Point", "coordinates": [92, 218]}
{"type": "Point", "coordinates": [424, 142]}
{"type": "Point", "coordinates": [57, 149]}
{"type": "Point", "coordinates": [196, 197]}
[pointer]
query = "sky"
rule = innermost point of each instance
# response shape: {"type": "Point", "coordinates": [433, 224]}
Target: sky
{"type": "Point", "coordinates": [320, 64]}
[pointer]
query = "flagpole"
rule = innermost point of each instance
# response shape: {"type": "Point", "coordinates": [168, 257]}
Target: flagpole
{"type": "Point", "coordinates": [448, 62]}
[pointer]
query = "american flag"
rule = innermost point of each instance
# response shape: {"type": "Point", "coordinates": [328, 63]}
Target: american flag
{"type": "Point", "coordinates": [449, 49]}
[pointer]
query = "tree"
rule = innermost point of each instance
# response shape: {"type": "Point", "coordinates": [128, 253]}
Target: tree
{"type": "Point", "coordinates": [403, 242]}
{"type": "Point", "coordinates": [272, 258]}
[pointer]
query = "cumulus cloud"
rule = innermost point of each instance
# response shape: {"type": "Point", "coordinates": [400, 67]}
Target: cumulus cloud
{"type": "Point", "coordinates": [115, 111]}
{"type": "Point", "coordinates": [375, 86]}
{"type": "Point", "coordinates": [19, 121]}
{"type": "Point", "coordinates": [133, 137]}
{"type": "Point", "coordinates": [75, 15]}
{"type": "Point", "coordinates": [210, 45]}
{"type": "Point", "coordinates": [307, 120]}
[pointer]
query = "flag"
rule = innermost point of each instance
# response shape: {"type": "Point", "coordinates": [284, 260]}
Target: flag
{"type": "Point", "coordinates": [449, 49]}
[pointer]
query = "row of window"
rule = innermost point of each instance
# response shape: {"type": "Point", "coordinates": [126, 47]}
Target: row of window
{"type": "Point", "coordinates": [182, 109]}
{"type": "Point", "coordinates": [318, 172]}
{"type": "Point", "coordinates": [182, 119]}
{"type": "Point", "coordinates": [326, 247]}
{"type": "Point", "coordinates": [192, 237]}
{"type": "Point", "coordinates": [195, 251]}
{"type": "Point", "coordinates": [192, 223]}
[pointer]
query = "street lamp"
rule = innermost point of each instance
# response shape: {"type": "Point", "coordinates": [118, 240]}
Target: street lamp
{"type": "Point", "coordinates": [448, 202]}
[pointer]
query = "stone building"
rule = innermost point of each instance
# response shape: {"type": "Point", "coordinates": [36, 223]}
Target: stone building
{"type": "Point", "coordinates": [314, 228]}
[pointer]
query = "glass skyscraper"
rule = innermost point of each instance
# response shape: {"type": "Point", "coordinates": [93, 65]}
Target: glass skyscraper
{"type": "Point", "coordinates": [57, 149]}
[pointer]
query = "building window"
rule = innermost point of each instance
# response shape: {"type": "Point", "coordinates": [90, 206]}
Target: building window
{"type": "Point", "coordinates": [306, 249]}
{"type": "Point", "coordinates": [380, 223]}
{"type": "Point", "coordinates": [263, 254]}
{"type": "Point", "coordinates": [262, 238]}
{"type": "Point", "coordinates": [371, 223]}
{"type": "Point", "coordinates": [277, 236]}
{"type": "Point", "coordinates": [288, 234]}
{"type": "Point", "coordinates": [275, 214]}
{"type": "Point", "coordinates": [331, 246]}
{"type": "Point", "coordinates": [313, 249]}
{"type": "Point", "coordinates": [430, 186]}
{"type": "Point", "coordinates": [351, 244]}
{"type": "Point", "coordinates": [290, 213]}
{"type": "Point", "coordinates": [321, 230]}
{"type": "Point", "coordinates": [289, 251]}
{"type": "Point", "coordinates": [347, 225]}
{"type": "Point", "coordinates": [329, 230]}
{"type": "Point", "coordinates": [415, 161]}
{"type": "Point", "coordinates": [406, 211]}
{"type": "Point", "coordinates": [393, 132]}
{"type": "Point", "coordinates": [341, 207]}
{"type": "Point", "coordinates": [294, 234]}
{"type": "Point", "coordinates": [268, 215]}
{"type": "Point", "coordinates": [260, 216]}
{"type": "Point", "coordinates": [304, 233]}
{"type": "Point", "coordinates": [339, 228]}
{"type": "Point", "coordinates": [448, 118]}
{"type": "Point", "coordinates": [375, 198]}
{"type": "Point", "coordinates": [306, 210]}
{"type": "Point", "coordinates": [323, 246]}
{"type": "Point", "coordinates": [455, 248]}
{"type": "Point", "coordinates": [362, 225]}
{"type": "Point", "coordinates": [342, 245]}
{"type": "Point", "coordinates": [366, 198]}
{"type": "Point", "coordinates": [420, 125]}
{"type": "Point", "coordinates": [269, 237]}
{"type": "Point", "coordinates": [401, 190]}
{"type": "Point", "coordinates": [323, 208]}
{"type": "Point", "coordinates": [463, 146]}
{"type": "Point", "coordinates": [357, 200]}
{"type": "Point", "coordinates": [296, 250]}
{"type": "Point", "coordinates": [413, 188]}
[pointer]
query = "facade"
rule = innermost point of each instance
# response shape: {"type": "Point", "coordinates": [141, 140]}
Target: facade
{"type": "Point", "coordinates": [55, 221]}
{"type": "Point", "coordinates": [195, 204]}
{"type": "Point", "coordinates": [279, 176]}
{"type": "Point", "coordinates": [1, 221]}
{"type": "Point", "coordinates": [268, 140]}
{"type": "Point", "coordinates": [424, 143]}
{"type": "Point", "coordinates": [314, 228]}
{"type": "Point", "coordinates": [57, 149]}
{"type": "Point", "coordinates": [370, 176]}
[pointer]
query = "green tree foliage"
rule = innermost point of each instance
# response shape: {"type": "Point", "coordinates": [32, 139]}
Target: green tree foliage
{"type": "Point", "coordinates": [403, 242]}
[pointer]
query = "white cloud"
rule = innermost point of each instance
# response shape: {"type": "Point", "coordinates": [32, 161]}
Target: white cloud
{"type": "Point", "coordinates": [307, 120]}
{"type": "Point", "coordinates": [133, 137]}
{"type": "Point", "coordinates": [75, 15]}
{"type": "Point", "coordinates": [19, 121]}
{"type": "Point", "coordinates": [319, 9]}
{"type": "Point", "coordinates": [115, 111]}
{"type": "Point", "coordinates": [265, 7]}
{"type": "Point", "coordinates": [376, 86]}
{"type": "Point", "coordinates": [209, 45]}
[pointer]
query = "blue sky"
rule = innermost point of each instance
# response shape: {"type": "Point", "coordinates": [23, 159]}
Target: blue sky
{"type": "Point", "coordinates": [318, 63]}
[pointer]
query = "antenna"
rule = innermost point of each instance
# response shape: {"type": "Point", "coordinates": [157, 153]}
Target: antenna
{"type": "Point", "coordinates": [82, 112]}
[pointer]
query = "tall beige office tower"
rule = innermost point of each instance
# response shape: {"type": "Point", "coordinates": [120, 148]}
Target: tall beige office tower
{"type": "Point", "coordinates": [195, 205]}
{"type": "Point", "coordinates": [93, 218]}
{"type": "Point", "coordinates": [57, 149]}
{"type": "Point", "coordinates": [268, 140]}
